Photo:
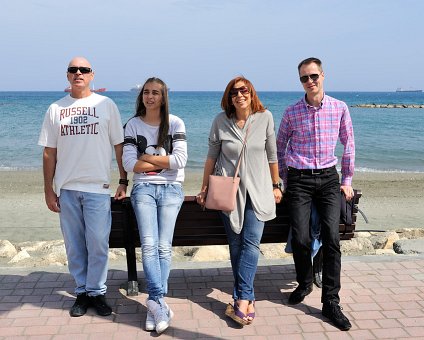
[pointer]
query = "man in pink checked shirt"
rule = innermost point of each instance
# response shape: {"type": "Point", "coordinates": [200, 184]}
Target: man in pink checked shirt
{"type": "Point", "coordinates": [306, 144]}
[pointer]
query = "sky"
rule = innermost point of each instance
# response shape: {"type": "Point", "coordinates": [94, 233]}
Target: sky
{"type": "Point", "coordinates": [199, 45]}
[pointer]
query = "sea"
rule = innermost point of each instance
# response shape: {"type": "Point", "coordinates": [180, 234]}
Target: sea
{"type": "Point", "coordinates": [387, 139]}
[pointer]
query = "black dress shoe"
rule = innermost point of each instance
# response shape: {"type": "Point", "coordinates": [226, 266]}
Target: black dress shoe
{"type": "Point", "coordinates": [80, 306]}
{"type": "Point", "coordinates": [333, 311]}
{"type": "Point", "coordinates": [100, 304]}
{"type": "Point", "coordinates": [298, 295]}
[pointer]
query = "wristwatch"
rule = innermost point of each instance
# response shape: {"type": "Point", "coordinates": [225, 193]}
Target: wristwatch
{"type": "Point", "coordinates": [276, 186]}
{"type": "Point", "coordinates": [124, 181]}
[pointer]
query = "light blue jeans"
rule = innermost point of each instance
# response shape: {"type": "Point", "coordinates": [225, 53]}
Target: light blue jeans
{"type": "Point", "coordinates": [85, 220]}
{"type": "Point", "coordinates": [244, 252]}
{"type": "Point", "coordinates": [156, 208]}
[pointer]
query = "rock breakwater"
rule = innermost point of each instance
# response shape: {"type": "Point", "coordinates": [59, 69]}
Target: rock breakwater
{"type": "Point", "coordinates": [390, 106]}
{"type": "Point", "coordinates": [52, 253]}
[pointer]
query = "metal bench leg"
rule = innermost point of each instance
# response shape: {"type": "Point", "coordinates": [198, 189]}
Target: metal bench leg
{"type": "Point", "coordinates": [132, 272]}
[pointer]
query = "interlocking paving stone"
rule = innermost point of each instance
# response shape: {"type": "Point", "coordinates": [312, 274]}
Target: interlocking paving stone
{"type": "Point", "coordinates": [383, 297]}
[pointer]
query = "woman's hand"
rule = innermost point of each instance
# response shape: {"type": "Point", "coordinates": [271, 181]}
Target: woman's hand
{"type": "Point", "coordinates": [201, 198]}
{"type": "Point", "coordinates": [278, 195]}
{"type": "Point", "coordinates": [121, 192]}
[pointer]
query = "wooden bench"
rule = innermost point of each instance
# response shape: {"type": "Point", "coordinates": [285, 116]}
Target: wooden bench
{"type": "Point", "coordinates": [195, 227]}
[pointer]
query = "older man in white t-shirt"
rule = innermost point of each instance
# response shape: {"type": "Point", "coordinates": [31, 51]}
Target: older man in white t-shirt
{"type": "Point", "coordinates": [78, 135]}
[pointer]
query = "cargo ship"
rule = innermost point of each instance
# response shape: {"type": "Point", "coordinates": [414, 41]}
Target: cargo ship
{"type": "Point", "coordinates": [136, 88]}
{"type": "Point", "coordinates": [102, 89]}
{"type": "Point", "coordinates": [400, 89]}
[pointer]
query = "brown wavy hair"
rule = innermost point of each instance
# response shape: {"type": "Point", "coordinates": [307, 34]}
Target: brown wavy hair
{"type": "Point", "coordinates": [164, 109]}
{"type": "Point", "coordinates": [227, 103]}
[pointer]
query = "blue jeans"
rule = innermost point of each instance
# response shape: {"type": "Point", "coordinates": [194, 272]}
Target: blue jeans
{"type": "Point", "coordinates": [85, 220]}
{"type": "Point", "coordinates": [156, 208]}
{"type": "Point", "coordinates": [244, 252]}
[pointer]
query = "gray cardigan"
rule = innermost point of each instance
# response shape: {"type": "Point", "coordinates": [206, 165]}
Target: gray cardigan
{"type": "Point", "coordinates": [225, 144]}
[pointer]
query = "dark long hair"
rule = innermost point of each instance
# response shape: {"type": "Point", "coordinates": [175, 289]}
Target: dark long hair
{"type": "Point", "coordinates": [227, 103]}
{"type": "Point", "coordinates": [140, 109]}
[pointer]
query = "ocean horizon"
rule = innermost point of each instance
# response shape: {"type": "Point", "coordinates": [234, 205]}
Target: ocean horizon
{"type": "Point", "coordinates": [387, 139]}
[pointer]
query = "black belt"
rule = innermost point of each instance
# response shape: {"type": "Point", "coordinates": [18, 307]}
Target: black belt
{"type": "Point", "coordinates": [311, 171]}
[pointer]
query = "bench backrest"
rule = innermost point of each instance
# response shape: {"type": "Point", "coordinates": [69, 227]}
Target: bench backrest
{"type": "Point", "coordinates": [195, 227]}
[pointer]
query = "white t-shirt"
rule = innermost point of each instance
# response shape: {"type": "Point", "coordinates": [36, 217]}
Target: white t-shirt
{"type": "Point", "coordinates": [84, 132]}
{"type": "Point", "coordinates": [142, 138]}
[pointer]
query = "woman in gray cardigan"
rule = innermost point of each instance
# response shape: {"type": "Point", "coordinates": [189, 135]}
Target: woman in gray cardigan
{"type": "Point", "coordinates": [259, 184]}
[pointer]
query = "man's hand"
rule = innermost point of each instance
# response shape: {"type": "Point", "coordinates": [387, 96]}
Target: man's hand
{"type": "Point", "coordinates": [348, 191]}
{"type": "Point", "coordinates": [52, 201]}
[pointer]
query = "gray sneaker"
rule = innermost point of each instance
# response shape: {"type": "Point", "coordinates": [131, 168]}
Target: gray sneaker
{"type": "Point", "coordinates": [162, 314]}
{"type": "Point", "coordinates": [150, 320]}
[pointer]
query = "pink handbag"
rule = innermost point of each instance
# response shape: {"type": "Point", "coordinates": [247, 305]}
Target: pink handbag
{"type": "Point", "coordinates": [222, 190]}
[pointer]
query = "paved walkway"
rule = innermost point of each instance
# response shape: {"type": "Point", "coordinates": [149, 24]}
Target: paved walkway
{"type": "Point", "coordinates": [382, 296]}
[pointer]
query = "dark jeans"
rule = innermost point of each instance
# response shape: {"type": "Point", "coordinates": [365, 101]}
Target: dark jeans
{"type": "Point", "coordinates": [324, 189]}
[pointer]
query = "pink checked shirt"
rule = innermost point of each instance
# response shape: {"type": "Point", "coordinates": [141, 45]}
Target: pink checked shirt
{"type": "Point", "coordinates": [307, 138]}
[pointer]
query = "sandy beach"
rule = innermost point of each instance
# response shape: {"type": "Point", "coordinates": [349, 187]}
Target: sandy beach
{"type": "Point", "coordinates": [390, 201]}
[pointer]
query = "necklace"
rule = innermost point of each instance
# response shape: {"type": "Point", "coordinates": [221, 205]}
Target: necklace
{"type": "Point", "coordinates": [241, 122]}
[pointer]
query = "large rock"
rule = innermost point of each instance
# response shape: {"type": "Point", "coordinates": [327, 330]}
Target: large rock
{"type": "Point", "coordinates": [7, 249]}
{"type": "Point", "coordinates": [44, 253]}
{"type": "Point", "coordinates": [384, 240]}
{"type": "Point", "coordinates": [385, 252]}
{"type": "Point", "coordinates": [357, 246]}
{"type": "Point", "coordinates": [362, 234]}
{"type": "Point", "coordinates": [392, 237]}
{"type": "Point", "coordinates": [410, 233]}
{"type": "Point", "coordinates": [274, 250]}
{"type": "Point", "coordinates": [413, 246]}
{"type": "Point", "coordinates": [183, 253]}
{"type": "Point", "coordinates": [116, 253]}
{"type": "Point", "coordinates": [211, 253]}
{"type": "Point", "coordinates": [22, 255]}
{"type": "Point", "coordinates": [40, 246]}
{"type": "Point", "coordinates": [56, 255]}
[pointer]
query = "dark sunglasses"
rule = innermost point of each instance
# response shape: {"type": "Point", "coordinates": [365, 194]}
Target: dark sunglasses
{"type": "Point", "coordinates": [244, 90]}
{"type": "Point", "coordinates": [314, 77]}
{"type": "Point", "coordinates": [83, 69]}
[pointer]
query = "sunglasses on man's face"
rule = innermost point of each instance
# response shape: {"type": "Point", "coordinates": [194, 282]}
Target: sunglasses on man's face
{"type": "Point", "coordinates": [244, 90]}
{"type": "Point", "coordinates": [82, 69]}
{"type": "Point", "coordinates": [314, 77]}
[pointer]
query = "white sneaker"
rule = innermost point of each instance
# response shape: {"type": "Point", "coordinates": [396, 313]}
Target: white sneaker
{"type": "Point", "coordinates": [161, 313]}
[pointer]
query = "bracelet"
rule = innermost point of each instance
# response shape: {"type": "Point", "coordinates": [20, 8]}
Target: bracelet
{"type": "Point", "coordinates": [124, 181]}
{"type": "Point", "coordinates": [276, 186]}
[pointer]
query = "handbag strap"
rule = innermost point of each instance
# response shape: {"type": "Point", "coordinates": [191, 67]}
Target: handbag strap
{"type": "Point", "coordinates": [242, 151]}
